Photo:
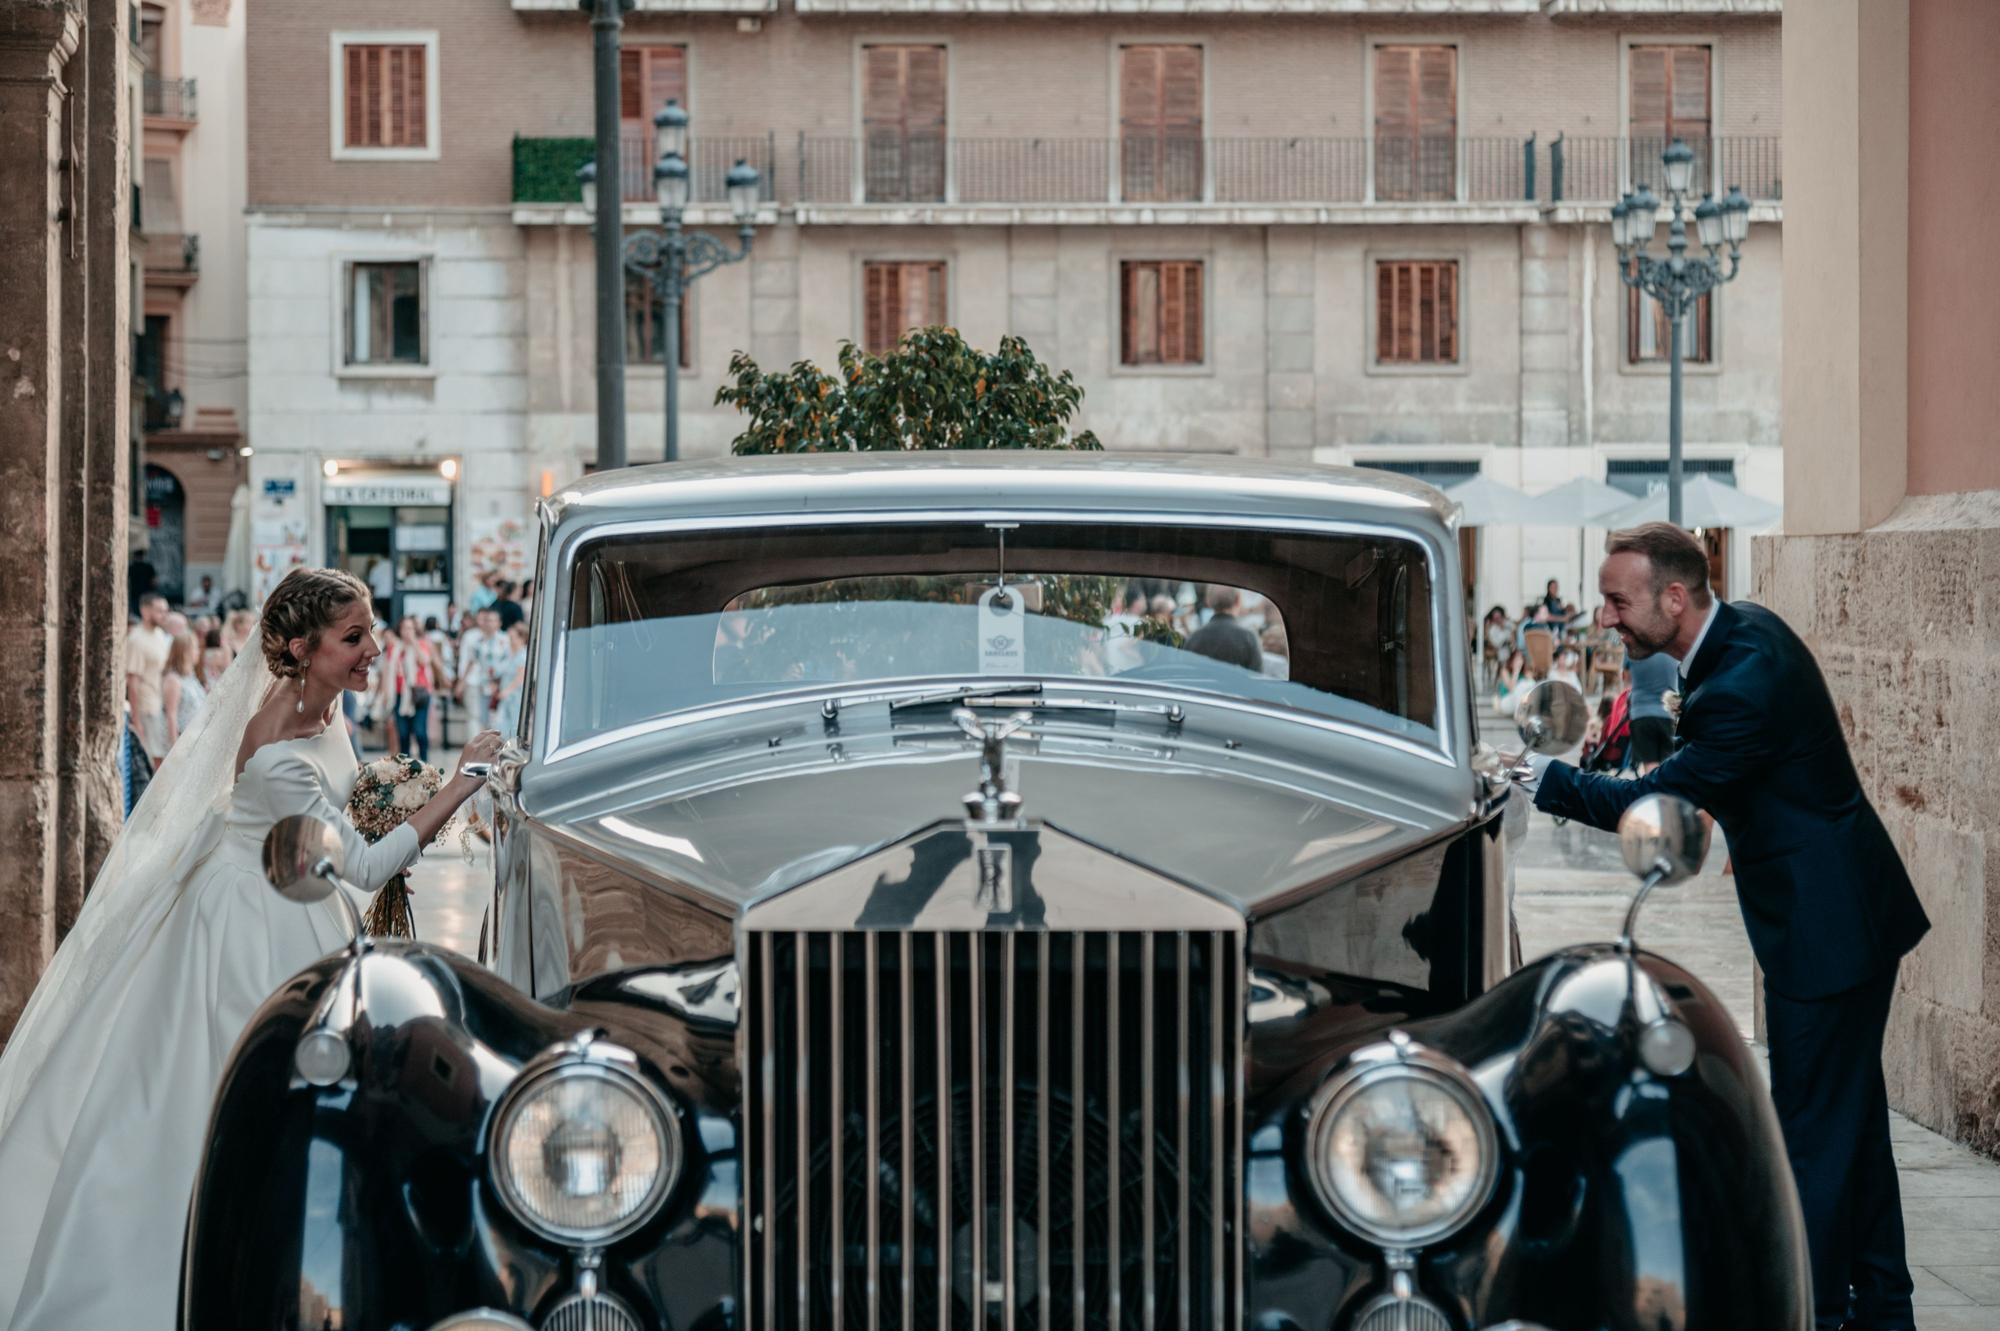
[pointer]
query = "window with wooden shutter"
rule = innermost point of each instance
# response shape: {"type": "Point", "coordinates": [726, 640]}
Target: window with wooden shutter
{"type": "Point", "coordinates": [648, 78]}
{"type": "Point", "coordinates": [1668, 98]}
{"type": "Point", "coordinates": [899, 296]}
{"type": "Point", "coordinates": [903, 123]}
{"type": "Point", "coordinates": [385, 314]}
{"type": "Point", "coordinates": [1160, 312]}
{"type": "Point", "coordinates": [646, 324]}
{"type": "Point", "coordinates": [384, 93]}
{"type": "Point", "coordinates": [1416, 312]}
{"type": "Point", "coordinates": [1647, 330]}
{"type": "Point", "coordinates": [1416, 123]}
{"type": "Point", "coordinates": [1160, 123]}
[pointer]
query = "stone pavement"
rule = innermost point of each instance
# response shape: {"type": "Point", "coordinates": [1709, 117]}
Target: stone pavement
{"type": "Point", "coordinates": [1573, 887]}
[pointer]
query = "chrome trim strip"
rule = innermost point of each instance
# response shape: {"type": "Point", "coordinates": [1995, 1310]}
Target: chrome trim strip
{"type": "Point", "coordinates": [802, 1015]}
{"type": "Point", "coordinates": [1005, 1088]}
{"type": "Point", "coordinates": [1447, 750]}
{"type": "Point", "coordinates": [1113, 1142]}
{"type": "Point", "coordinates": [871, 1032]}
{"type": "Point", "coordinates": [1240, 975]}
{"type": "Point", "coordinates": [1079, 1128]}
{"type": "Point", "coordinates": [837, 1158]}
{"type": "Point", "coordinates": [906, 1037]}
{"type": "Point", "coordinates": [1218, 1119]}
{"type": "Point", "coordinates": [1146, 1150]}
{"type": "Point", "coordinates": [1044, 1304]}
{"type": "Point", "coordinates": [1181, 1152]}
{"type": "Point", "coordinates": [770, 1143]}
{"type": "Point", "coordinates": [944, 1126]}
{"type": "Point", "coordinates": [977, 956]}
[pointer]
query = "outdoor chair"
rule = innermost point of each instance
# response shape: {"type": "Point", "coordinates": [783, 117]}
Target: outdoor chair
{"type": "Point", "coordinates": [1540, 645]}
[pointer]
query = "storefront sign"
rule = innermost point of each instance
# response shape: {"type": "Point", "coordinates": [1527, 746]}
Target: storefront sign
{"type": "Point", "coordinates": [388, 492]}
{"type": "Point", "coordinates": [280, 487]}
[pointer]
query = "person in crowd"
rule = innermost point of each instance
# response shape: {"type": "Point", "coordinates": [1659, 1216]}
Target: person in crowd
{"type": "Point", "coordinates": [1496, 630]}
{"type": "Point", "coordinates": [507, 607]}
{"type": "Point", "coordinates": [381, 584]}
{"type": "Point", "coordinates": [486, 593]}
{"type": "Point", "coordinates": [1277, 650]}
{"type": "Point", "coordinates": [237, 631]}
{"type": "Point", "coordinates": [527, 597]}
{"type": "Point", "coordinates": [1651, 678]}
{"type": "Point", "coordinates": [202, 599]}
{"type": "Point", "coordinates": [1825, 896]}
{"type": "Point", "coordinates": [1512, 681]}
{"type": "Point", "coordinates": [1536, 616]}
{"type": "Point", "coordinates": [146, 647]}
{"type": "Point", "coordinates": [181, 691]}
{"type": "Point", "coordinates": [1552, 600]}
{"type": "Point", "coordinates": [1567, 668]}
{"type": "Point", "coordinates": [1224, 638]}
{"type": "Point", "coordinates": [175, 624]}
{"type": "Point", "coordinates": [481, 651]}
{"type": "Point", "coordinates": [215, 658]}
{"type": "Point", "coordinates": [512, 677]}
{"type": "Point", "coordinates": [409, 677]}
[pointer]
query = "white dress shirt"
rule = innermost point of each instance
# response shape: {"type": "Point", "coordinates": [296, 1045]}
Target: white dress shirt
{"type": "Point", "coordinates": [1714, 604]}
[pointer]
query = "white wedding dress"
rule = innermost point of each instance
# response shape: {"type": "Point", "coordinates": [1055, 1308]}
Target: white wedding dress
{"type": "Point", "coordinates": [104, 1105]}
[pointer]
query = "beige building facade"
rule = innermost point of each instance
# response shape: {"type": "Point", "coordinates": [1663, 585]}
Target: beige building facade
{"type": "Point", "coordinates": [1345, 232]}
{"type": "Point", "coordinates": [191, 352]}
{"type": "Point", "coordinates": [1889, 560]}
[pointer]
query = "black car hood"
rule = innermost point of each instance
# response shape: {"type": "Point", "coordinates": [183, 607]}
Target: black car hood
{"type": "Point", "coordinates": [1249, 809]}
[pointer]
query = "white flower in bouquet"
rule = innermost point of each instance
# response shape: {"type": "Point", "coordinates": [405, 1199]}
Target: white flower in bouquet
{"type": "Point", "coordinates": [386, 793]}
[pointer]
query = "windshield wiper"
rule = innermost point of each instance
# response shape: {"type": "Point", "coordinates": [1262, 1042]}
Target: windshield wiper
{"type": "Point", "coordinates": [968, 693]}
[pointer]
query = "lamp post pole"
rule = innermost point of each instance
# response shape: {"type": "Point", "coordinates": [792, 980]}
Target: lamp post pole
{"type": "Point", "coordinates": [671, 258]}
{"type": "Point", "coordinates": [605, 21]}
{"type": "Point", "coordinates": [1680, 280]}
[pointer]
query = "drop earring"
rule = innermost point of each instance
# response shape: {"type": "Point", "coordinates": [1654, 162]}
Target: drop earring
{"type": "Point", "coordinates": [300, 707]}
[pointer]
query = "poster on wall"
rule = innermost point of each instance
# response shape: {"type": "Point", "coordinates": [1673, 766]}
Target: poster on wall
{"type": "Point", "coordinates": [277, 534]}
{"type": "Point", "coordinates": [498, 544]}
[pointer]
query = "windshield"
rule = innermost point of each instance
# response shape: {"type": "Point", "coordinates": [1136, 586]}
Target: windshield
{"type": "Point", "coordinates": [1336, 625]}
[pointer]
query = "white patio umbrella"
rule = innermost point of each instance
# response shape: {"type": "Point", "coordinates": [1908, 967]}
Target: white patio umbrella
{"type": "Point", "coordinates": [1705, 502]}
{"type": "Point", "coordinates": [236, 549]}
{"type": "Point", "coordinates": [1578, 503]}
{"type": "Point", "coordinates": [1487, 503]}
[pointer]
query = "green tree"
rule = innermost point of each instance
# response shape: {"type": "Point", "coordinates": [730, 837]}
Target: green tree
{"type": "Point", "coordinates": [933, 391]}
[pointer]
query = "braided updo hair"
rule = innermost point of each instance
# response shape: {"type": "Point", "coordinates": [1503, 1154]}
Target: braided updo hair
{"type": "Point", "coordinates": [305, 602]}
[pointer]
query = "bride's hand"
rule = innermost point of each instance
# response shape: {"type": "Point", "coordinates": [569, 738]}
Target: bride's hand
{"type": "Point", "coordinates": [481, 748]}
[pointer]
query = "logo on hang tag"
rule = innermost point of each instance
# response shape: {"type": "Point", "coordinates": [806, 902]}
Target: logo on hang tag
{"type": "Point", "coordinates": [1002, 629]}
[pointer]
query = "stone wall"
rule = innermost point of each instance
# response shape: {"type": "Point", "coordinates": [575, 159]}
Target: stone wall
{"type": "Point", "coordinates": [1905, 621]}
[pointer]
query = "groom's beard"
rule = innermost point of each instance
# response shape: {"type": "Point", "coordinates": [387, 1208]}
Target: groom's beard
{"type": "Point", "coordinates": [1644, 640]}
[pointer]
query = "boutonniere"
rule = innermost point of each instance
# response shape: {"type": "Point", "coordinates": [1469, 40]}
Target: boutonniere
{"type": "Point", "coordinates": [1671, 700]}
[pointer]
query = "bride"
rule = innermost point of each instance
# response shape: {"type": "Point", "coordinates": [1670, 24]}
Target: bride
{"type": "Point", "coordinates": [106, 1084]}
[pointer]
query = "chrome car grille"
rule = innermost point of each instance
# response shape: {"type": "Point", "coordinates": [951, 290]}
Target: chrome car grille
{"type": "Point", "coordinates": [992, 1129]}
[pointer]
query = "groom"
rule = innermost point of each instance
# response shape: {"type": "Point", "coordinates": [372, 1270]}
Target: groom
{"type": "Point", "coordinates": [1829, 908]}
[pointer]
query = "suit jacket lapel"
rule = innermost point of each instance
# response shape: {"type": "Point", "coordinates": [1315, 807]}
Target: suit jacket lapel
{"type": "Point", "coordinates": [1711, 648]}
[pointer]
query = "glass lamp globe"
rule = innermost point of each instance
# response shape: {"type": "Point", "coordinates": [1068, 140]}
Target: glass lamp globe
{"type": "Point", "coordinates": [670, 181]}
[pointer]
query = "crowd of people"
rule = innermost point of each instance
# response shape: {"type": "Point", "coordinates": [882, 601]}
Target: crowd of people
{"type": "Point", "coordinates": [473, 658]}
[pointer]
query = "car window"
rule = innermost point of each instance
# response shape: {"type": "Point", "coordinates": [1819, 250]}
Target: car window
{"type": "Point", "coordinates": [1338, 625]}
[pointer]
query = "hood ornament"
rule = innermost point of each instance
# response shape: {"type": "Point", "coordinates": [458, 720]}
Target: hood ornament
{"type": "Point", "coordinates": [992, 802]}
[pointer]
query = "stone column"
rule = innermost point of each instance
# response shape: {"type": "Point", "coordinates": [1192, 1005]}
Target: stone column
{"type": "Point", "coordinates": [64, 444]}
{"type": "Point", "coordinates": [39, 221]}
{"type": "Point", "coordinates": [1291, 393]}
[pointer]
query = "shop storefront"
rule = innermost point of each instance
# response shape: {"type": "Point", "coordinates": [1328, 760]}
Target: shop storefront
{"type": "Point", "coordinates": [393, 530]}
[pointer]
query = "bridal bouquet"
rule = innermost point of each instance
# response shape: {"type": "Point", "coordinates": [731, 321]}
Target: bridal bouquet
{"type": "Point", "coordinates": [386, 793]}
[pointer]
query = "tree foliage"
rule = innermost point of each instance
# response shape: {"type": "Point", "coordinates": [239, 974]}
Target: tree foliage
{"type": "Point", "coordinates": [933, 391]}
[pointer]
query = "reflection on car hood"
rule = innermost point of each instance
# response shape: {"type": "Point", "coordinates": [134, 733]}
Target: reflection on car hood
{"type": "Point", "coordinates": [727, 812]}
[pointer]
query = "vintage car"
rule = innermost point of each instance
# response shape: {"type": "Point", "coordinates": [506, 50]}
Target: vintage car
{"type": "Point", "coordinates": [1000, 891]}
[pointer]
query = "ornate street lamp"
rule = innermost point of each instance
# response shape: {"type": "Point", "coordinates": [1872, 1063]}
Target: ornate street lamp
{"type": "Point", "coordinates": [672, 259]}
{"type": "Point", "coordinates": [1680, 279]}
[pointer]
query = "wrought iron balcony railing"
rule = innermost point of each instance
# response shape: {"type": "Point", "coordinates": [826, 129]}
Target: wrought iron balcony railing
{"type": "Point", "coordinates": [709, 161]}
{"type": "Point", "coordinates": [1280, 170]}
{"type": "Point", "coordinates": [172, 98]}
{"type": "Point", "coordinates": [1599, 170]}
{"type": "Point", "coordinates": [173, 254]}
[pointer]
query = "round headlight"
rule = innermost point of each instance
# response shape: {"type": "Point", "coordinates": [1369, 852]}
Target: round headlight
{"type": "Point", "coordinates": [1402, 1152]}
{"type": "Point", "coordinates": [584, 1150]}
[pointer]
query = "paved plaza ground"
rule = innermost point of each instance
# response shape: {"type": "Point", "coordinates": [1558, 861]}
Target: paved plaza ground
{"type": "Point", "coordinates": [1574, 888]}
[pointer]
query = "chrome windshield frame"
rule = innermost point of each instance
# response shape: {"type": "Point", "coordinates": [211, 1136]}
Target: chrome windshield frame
{"type": "Point", "coordinates": [547, 723]}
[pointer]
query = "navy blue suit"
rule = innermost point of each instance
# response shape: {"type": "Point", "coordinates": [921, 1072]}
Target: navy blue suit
{"type": "Point", "coordinates": [1829, 909]}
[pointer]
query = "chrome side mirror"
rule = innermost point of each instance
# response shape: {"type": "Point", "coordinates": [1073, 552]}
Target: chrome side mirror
{"type": "Point", "coordinates": [303, 862]}
{"type": "Point", "coordinates": [1552, 717]}
{"type": "Point", "coordinates": [303, 858]}
{"type": "Point", "coordinates": [1663, 835]}
{"type": "Point", "coordinates": [1664, 840]}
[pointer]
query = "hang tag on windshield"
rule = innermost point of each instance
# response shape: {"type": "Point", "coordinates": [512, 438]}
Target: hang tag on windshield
{"type": "Point", "coordinates": [1003, 630]}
